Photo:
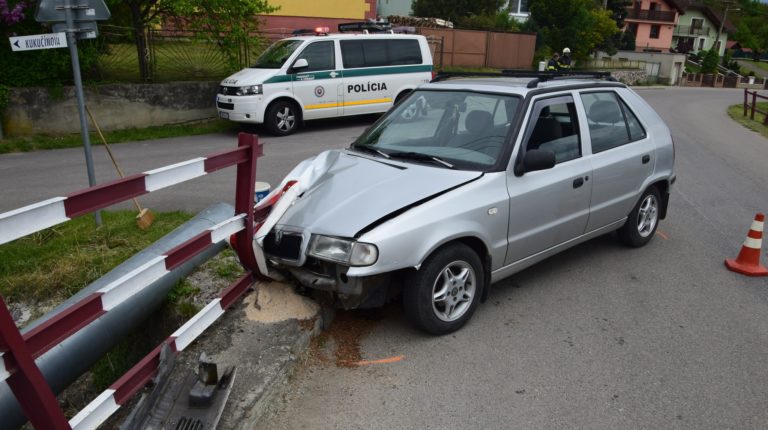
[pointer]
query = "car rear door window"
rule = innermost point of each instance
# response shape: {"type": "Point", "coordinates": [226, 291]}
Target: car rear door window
{"type": "Point", "coordinates": [611, 123]}
{"type": "Point", "coordinates": [554, 126]}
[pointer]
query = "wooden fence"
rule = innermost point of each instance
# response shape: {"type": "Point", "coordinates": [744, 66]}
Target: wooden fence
{"type": "Point", "coordinates": [752, 107]}
{"type": "Point", "coordinates": [474, 48]}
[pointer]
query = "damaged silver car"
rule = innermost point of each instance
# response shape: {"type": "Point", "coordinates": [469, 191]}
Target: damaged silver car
{"type": "Point", "coordinates": [464, 183]}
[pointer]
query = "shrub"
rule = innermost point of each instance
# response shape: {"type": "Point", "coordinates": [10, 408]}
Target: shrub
{"type": "Point", "coordinates": [709, 63]}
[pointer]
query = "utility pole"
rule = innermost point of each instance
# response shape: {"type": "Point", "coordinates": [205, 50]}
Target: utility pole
{"type": "Point", "coordinates": [720, 29]}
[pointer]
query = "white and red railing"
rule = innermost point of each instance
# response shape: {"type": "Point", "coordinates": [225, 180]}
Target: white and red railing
{"type": "Point", "coordinates": [19, 351]}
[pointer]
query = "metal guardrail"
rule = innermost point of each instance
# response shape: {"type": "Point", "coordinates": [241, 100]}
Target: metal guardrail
{"type": "Point", "coordinates": [18, 352]}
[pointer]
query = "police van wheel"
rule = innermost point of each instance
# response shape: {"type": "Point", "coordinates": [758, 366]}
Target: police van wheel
{"type": "Point", "coordinates": [282, 118]}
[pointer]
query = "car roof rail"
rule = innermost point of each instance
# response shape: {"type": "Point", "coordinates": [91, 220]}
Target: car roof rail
{"type": "Point", "coordinates": [536, 76]}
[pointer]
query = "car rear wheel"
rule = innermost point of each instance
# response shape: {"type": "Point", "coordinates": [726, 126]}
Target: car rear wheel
{"type": "Point", "coordinates": [643, 220]}
{"type": "Point", "coordinates": [282, 118]}
{"type": "Point", "coordinates": [442, 296]}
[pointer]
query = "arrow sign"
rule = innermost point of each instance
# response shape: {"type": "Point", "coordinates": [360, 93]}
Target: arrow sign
{"type": "Point", "coordinates": [38, 41]}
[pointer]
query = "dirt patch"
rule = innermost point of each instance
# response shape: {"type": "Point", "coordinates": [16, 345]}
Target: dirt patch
{"type": "Point", "coordinates": [274, 302]}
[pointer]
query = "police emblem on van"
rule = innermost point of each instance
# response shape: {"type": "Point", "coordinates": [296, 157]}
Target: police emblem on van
{"type": "Point", "coordinates": [364, 88]}
{"type": "Point", "coordinates": [319, 91]}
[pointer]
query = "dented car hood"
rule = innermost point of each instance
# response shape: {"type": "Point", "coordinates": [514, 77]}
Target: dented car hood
{"type": "Point", "coordinates": [344, 192]}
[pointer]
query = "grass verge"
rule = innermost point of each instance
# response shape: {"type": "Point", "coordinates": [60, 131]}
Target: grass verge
{"type": "Point", "coordinates": [737, 113]}
{"type": "Point", "coordinates": [45, 141]}
{"type": "Point", "coordinates": [55, 263]}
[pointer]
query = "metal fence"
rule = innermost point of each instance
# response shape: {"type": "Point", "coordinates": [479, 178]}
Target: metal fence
{"type": "Point", "coordinates": [155, 55]}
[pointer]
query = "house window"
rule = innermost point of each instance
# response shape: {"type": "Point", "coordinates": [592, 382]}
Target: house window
{"type": "Point", "coordinates": [655, 29]}
{"type": "Point", "coordinates": [701, 44]}
{"type": "Point", "coordinates": [697, 23]}
{"type": "Point", "coordinates": [632, 28]}
{"type": "Point", "coordinates": [518, 7]}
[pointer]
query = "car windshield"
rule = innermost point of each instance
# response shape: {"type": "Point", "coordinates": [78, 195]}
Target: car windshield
{"type": "Point", "coordinates": [453, 129]}
{"type": "Point", "coordinates": [276, 55]}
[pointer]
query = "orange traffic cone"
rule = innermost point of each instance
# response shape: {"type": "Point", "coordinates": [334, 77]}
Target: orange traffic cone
{"type": "Point", "coordinates": [748, 261]}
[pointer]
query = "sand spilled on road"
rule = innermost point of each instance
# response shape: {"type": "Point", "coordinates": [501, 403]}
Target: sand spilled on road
{"type": "Point", "coordinates": [275, 301]}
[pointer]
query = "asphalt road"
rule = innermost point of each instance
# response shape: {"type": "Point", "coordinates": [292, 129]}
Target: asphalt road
{"type": "Point", "coordinates": [27, 178]}
{"type": "Point", "coordinates": [600, 336]}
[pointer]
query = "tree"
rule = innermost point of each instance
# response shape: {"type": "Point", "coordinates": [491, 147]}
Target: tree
{"type": "Point", "coordinates": [228, 23]}
{"type": "Point", "coordinates": [577, 24]}
{"type": "Point", "coordinates": [454, 10]}
{"type": "Point", "coordinates": [709, 63]}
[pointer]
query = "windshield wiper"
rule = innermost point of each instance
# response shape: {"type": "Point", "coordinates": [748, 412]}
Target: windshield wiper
{"type": "Point", "coordinates": [420, 157]}
{"type": "Point", "coordinates": [370, 149]}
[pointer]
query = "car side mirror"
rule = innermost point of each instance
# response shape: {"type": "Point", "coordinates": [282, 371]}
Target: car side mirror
{"type": "Point", "coordinates": [300, 64]}
{"type": "Point", "coordinates": [536, 159]}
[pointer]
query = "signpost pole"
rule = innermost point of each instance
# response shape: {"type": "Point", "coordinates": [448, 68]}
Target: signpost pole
{"type": "Point", "coordinates": [72, 43]}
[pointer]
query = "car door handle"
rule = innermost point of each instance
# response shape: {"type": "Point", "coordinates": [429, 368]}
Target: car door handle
{"type": "Point", "coordinates": [578, 182]}
{"type": "Point", "coordinates": [646, 159]}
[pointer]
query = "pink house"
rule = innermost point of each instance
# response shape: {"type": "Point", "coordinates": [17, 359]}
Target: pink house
{"type": "Point", "coordinates": [653, 23]}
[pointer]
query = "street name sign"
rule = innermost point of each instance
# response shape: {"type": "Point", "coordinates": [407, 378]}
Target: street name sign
{"type": "Point", "coordinates": [38, 41]}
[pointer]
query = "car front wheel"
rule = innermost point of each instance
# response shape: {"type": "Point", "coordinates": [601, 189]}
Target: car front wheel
{"type": "Point", "coordinates": [442, 296]}
{"type": "Point", "coordinates": [282, 118]}
{"type": "Point", "coordinates": [643, 220]}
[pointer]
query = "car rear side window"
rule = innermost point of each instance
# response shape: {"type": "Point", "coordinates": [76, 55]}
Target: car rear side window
{"type": "Point", "coordinates": [554, 126]}
{"type": "Point", "coordinates": [377, 53]}
{"type": "Point", "coordinates": [611, 123]}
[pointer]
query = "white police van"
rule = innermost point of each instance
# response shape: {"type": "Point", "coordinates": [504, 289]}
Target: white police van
{"type": "Point", "coordinates": [324, 76]}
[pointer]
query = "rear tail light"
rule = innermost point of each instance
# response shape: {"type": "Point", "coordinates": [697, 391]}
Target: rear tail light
{"type": "Point", "coordinates": [434, 73]}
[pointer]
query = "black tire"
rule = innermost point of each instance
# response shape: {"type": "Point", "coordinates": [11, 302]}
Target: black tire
{"type": "Point", "coordinates": [282, 118]}
{"type": "Point", "coordinates": [442, 271]}
{"type": "Point", "coordinates": [643, 220]}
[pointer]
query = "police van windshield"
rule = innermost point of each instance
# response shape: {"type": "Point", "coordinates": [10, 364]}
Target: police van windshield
{"type": "Point", "coordinates": [276, 55]}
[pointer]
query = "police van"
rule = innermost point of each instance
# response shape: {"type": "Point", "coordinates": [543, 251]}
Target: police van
{"type": "Point", "coordinates": [323, 76]}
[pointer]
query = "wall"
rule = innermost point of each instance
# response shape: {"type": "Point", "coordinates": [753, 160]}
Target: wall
{"type": "Point", "coordinates": [666, 30]}
{"type": "Point", "coordinates": [394, 7]}
{"type": "Point", "coordinates": [671, 65]}
{"type": "Point", "coordinates": [630, 77]}
{"type": "Point", "coordinates": [116, 106]}
{"type": "Point", "coordinates": [302, 14]}
{"type": "Point", "coordinates": [484, 48]}
{"type": "Point", "coordinates": [709, 41]}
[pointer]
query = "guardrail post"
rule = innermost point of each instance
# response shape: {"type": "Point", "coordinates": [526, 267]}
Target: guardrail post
{"type": "Point", "coordinates": [754, 105]}
{"type": "Point", "coordinates": [246, 184]}
{"type": "Point", "coordinates": [745, 101]}
{"type": "Point", "coordinates": [27, 383]}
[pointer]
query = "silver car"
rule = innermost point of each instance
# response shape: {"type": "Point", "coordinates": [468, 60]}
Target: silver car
{"type": "Point", "coordinates": [464, 183]}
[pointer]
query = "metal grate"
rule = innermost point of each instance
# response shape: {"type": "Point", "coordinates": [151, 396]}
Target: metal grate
{"type": "Point", "coordinates": [186, 423]}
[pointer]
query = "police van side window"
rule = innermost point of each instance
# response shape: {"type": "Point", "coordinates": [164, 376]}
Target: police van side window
{"type": "Point", "coordinates": [319, 56]}
{"type": "Point", "coordinates": [377, 53]}
{"type": "Point", "coordinates": [405, 51]}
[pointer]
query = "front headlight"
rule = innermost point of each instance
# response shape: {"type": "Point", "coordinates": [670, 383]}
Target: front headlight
{"type": "Point", "coordinates": [343, 251]}
{"type": "Point", "coordinates": [250, 90]}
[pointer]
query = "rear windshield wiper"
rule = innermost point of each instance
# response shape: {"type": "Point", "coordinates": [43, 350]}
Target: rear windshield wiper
{"type": "Point", "coordinates": [418, 156]}
{"type": "Point", "coordinates": [369, 149]}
